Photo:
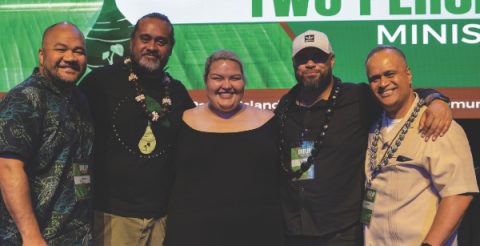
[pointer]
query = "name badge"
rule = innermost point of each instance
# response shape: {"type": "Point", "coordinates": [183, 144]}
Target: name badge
{"type": "Point", "coordinates": [367, 207]}
{"type": "Point", "coordinates": [81, 181]}
{"type": "Point", "coordinates": [300, 154]}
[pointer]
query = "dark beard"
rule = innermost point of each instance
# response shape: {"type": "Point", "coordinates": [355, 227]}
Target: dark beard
{"type": "Point", "coordinates": [319, 84]}
{"type": "Point", "coordinates": [313, 84]}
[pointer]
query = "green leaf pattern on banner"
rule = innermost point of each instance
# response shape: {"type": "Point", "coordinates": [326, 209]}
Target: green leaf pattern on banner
{"type": "Point", "coordinates": [105, 55]}
{"type": "Point", "coordinates": [22, 27]}
{"type": "Point", "coordinates": [265, 48]}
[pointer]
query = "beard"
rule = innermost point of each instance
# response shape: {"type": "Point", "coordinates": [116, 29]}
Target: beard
{"type": "Point", "coordinates": [316, 84]}
{"type": "Point", "coordinates": [309, 83]}
{"type": "Point", "coordinates": [148, 65]}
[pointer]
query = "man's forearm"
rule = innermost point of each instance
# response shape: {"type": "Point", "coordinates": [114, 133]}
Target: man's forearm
{"type": "Point", "coordinates": [16, 196]}
{"type": "Point", "coordinates": [431, 94]}
{"type": "Point", "coordinates": [447, 219]}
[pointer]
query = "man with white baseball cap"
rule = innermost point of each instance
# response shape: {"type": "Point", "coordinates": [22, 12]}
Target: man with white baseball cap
{"type": "Point", "coordinates": [312, 38]}
{"type": "Point", "coordinates": [324, 129]}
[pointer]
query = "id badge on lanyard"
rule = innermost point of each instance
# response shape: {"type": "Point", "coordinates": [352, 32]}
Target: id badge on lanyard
{"type": "Point", "coordinates": [368, 204]}
{"type": "Point", "coordinates": [81, 179]}
{"type": "Point", "coordinates": [299, 154]}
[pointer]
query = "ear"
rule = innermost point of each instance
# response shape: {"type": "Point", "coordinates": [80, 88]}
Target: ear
{"type": "Point", "coordinates": [332, 61]}
{"type": "Point", "coordinates": [409, 75]}
{"type": "Point", "coordinates": [40, 57]}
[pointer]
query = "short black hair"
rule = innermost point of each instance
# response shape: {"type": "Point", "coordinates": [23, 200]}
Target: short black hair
{"type": "Point", "coordinates": [385, 47]}
{"type": "Point", "coordinates": [158, 16]}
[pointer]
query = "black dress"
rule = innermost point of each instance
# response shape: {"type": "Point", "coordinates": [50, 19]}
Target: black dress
{"type": "Point", "coordinates": [226, 189]}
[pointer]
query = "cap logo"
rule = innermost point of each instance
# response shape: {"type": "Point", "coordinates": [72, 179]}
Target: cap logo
{"type": "Point", "coordinates": [310, 38]}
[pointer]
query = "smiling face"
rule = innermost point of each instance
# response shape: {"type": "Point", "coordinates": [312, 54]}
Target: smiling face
{"type": "Point", "coordinates": [62, 56]}
{"type": "Point", "coordinates": [225, 85]}
{"type": "Point", "coordinates": [150, 45]}
{"type": "Point", "coordinates": [391, 82]}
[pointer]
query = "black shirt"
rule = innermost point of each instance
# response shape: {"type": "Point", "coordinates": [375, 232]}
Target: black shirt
{"type": "Point", "coordinates": [127, 182]}
{"type": "Point", "coordinates": [226, 189]}
{"type": "Point", "coordinates": [332, 200]}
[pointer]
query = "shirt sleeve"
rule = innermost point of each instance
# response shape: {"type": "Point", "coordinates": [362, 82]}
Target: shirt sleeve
{"type": "Point", "coordinates": [369, 103]}
{"type": "Point", "coordinates": [451, 163]}
{"type": "Point", "coordinates": [93, 88]}
{"type": "Point", "coordinates": [19, 124]}
{"type": "Point", "coordinates": [188, 100]}
{"type": "Point", "coordinates": [431, 94]}
{"type": "Point", "coordinates": [88, 86]}
{"type": "Point", "coordinates": [184, 97]}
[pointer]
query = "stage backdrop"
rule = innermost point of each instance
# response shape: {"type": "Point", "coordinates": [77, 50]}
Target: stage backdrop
{"type": "Point", "coordinates": [441, 39]}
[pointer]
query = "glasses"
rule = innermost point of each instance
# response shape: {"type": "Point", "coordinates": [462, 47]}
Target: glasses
{"type": "Point", "coordinates": [303, 59]}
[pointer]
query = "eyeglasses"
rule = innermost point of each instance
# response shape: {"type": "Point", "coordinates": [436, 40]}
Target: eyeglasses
{"type": "Point", "coordinates": [303, 59]}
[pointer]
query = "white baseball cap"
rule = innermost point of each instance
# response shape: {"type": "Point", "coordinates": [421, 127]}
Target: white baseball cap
{"type": "Point", "coordinates": [312, 38]}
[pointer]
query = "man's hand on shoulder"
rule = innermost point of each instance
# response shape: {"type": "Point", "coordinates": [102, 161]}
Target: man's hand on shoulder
{"type": "Point", "coordinates": [436, 120]}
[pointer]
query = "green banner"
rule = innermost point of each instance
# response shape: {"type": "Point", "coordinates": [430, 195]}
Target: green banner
{"type": "Point", "coordinates": [441, 52]}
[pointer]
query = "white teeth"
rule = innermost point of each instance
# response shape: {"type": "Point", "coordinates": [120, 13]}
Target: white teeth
{"type": "Point", "coordinates": [225, 95]}
{"type": "Point", "coordinates": [386, 92]}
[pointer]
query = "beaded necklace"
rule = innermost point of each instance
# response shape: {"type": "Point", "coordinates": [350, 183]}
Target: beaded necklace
{"type": "Point", "coordinates": [152, 115]}
{"type": "Point", "coordinates": [374, 167]}
{"type": "Point", "coordinates": [319, 139]}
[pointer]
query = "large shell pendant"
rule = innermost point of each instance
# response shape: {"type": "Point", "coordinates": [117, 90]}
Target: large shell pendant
{"type": "Point", "coordinates": [147, 143]}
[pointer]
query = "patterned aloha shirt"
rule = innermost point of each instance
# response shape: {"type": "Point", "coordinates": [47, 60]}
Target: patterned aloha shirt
{"type": "Point", "coordinates": [53, 135]}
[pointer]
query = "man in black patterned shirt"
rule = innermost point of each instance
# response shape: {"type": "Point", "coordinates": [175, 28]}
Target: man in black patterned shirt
{"type": "Point", "coordinates": [46, 139]}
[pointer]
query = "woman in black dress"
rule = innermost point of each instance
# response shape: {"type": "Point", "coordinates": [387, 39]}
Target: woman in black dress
{"type": "Point", "coordinates": [226, 189]}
